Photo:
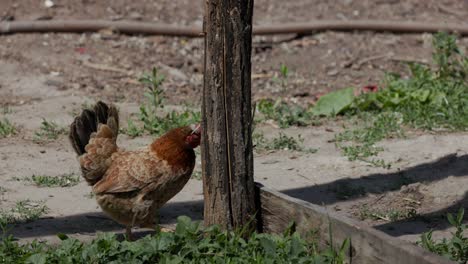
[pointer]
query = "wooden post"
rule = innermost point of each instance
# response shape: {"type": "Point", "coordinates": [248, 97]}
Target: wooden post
{"type": "Point", "coordinates": [227, 159]}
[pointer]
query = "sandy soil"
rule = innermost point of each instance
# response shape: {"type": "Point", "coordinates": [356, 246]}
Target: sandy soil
{"type": "Point", "coordinates": [51, 75]}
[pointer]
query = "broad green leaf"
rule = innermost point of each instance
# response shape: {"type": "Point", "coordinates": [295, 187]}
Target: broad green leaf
{"type": "Point", "coordinates": [334, 102]}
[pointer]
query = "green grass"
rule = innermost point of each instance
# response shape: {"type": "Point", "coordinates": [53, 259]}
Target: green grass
{"type": "Point", "coordinates": [283, 76]}
{"type": "Point", "coordinates": [284, 114]}
{"type": "Point", "coordinates": [389, 215]}
{"type": "Point", "coordinates": [197, 175]}
{"type": "Point", "coordinates": [454, 248]}
{"type": "Point", "coordinates": [190, 243]}
{"type": "Point", "coordinates": [65, 180]}
{"type": "Point", "coordinates": [360, 143]}
{"type": "Point", "coordinates": [430, 99]}
{"type": "Point", "coordinates": [24, 211]}
{"type": "Point", "coordinates": [281, 142]}
{"type": "Point", "coordinates": [153, 116]}
{"type": "Point", "coordinates": [6, 128]}
{"type": "Point", "coordinates": [49, 130]}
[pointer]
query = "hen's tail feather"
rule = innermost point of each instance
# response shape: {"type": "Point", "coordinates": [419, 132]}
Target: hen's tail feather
{"type": "Point", "coordinates": [88, 122]}
{"type": "Point", "coordinates": [93, 135]}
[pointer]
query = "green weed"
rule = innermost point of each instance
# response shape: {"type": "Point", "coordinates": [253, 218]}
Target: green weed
{"type": "Point", "coordinates": [190, 243]}
{"type": "Point", "coordinates": [283, 76]}
{"type": "Point", "coordinates": [65, 180]}
{"type": "Point", "coordinates": [360, 143]}
{"type": "Point", "coordinates": [455, 248]}
{"type": "Point", "coordinates": [6, 128]}
{"type": "Point", "coordinates": [284, 114]}
{"type": "Point", "coordinates": [430, 98]}
{"type": "Point", "coordinates": [389, 215]}
{"type": "Point", "coordinates": [281, 142]}
{"type": "Point", "coordinates": [49, 130]}
{"type": "Point", "coordinates": [24, 211]}
{"type": "Point", "coordinates": [150, 112]}
{"type": "Point", "coordinates": [132, 130]}
{"type": "Point", "coordinates": [197, 175]}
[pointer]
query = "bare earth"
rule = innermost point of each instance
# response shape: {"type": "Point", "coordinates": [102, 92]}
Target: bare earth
{"type": "Point", "coordinates": [51, 75]}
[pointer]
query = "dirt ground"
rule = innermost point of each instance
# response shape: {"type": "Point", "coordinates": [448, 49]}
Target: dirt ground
{"type": "Point", "coordinates": [51, 75]}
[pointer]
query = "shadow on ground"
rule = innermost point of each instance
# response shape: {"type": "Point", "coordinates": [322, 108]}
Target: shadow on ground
{"type": "Point", "coordinates": [451, 165]}
{"type": "Point", "coordinates": [91, 223]}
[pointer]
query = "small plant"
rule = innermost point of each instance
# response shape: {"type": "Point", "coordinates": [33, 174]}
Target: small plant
{"type": "Point", "coordinates": [281, 142]}
{"type": "Point", "coordinates": [6, 128]}
{"type": "Point", "coordinates": [363, 140]}
{"type": "Point", "coordinates": [65, 180]}
{"type": "Point", "coordinates": [284, 114]}
{"type": "Point", "coordinates": [6, 109]}
{"type": "Point", "coordinates": [197, 175]}
{"type": "Point", "coordinates": [455, 248]}
{"type": "Point", "coordinates": [24, 211]}
{"type": "Point", "coordinates": [389, 215]}
{"type": "Point", "coordinates": [190, 243]}
{"type": "Point", "coordinates": [283, 76]}
{"type": "Point", "coordinates": [287, 143]}
{"type": "Point", "coordinates": [152, 122]}
{"type": "Point", "coordinates": [132, 130]}
{"type": "Point", "coordinates": [49, 130]}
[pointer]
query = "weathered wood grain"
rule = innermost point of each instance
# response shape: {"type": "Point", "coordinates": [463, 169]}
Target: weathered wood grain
{"type": "Point", "coordinates": [368, 245]}
{"type": "Point", "coordinates": [227, 159]}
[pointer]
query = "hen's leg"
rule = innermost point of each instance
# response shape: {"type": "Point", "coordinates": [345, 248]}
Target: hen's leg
{"type": "Point", "coordinates": [158, 227]}
{"type": "Point", "coordinates": [128, 232]}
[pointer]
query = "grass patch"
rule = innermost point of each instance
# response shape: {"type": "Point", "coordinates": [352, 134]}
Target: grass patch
{"type": "Point", "coordinates": [24, 211]}
{"type": "Point", "coordinates": [284, 114]}
{"type": "Point", "coordinates": [430, 99]}
{"type": "Point", "coordinates": [389, 215]}
{"type": "Point", "coordinates": [150, 112]}
{"type": "Point", "coordinates": [454, 248]}
{"type": "Point", "coordinates": [190, 243]}
{"type": "Point", "coordinates": [283, 76]}
{"type": "Point", "coordinates": [65, 180]}
{"type": "Point", "coordinates": [49, 130]}
{"type": "Point", "coordinates": [6, 128]}
{"type": "Point", "coordinates": [197, 175]}
{"type": "Point", "coordinates": [281, 142]}
{"type": "Point", "coordinates": [360, 143]}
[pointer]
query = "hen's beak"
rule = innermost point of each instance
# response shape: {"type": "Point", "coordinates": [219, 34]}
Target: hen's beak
{"type": "Point", "coordinates": [196, 130]}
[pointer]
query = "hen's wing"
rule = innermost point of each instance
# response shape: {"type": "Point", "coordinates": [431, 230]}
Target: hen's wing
{"type": "Point", "coordinates": [131, 171]}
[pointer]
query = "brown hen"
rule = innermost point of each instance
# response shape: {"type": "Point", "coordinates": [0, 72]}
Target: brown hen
{"type": "Point", "coordinates": [130, 186]}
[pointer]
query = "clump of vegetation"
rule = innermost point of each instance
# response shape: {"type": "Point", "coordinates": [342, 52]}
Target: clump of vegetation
{"type": "Point", "coordinates": [6, 128]}
{"type": "Point", "coordinates": [197, 175]}
{"type": "Point", "coordinates": [190, 243]}
{"type": "Point", "coordinates": [360, 143]}
{"type": "Point", "coordinates": [65, 180]}
{"type": "Point", "coordinates": [430, 99]}
{"type": "Point", "coordinates": [49, 130]}
{"type": "Point", "coordinates": [284, 114]}
{"type": "Point", "coordinates": [281, 142]}
{"type": "Point", "coordinates": [455, 248]}
{"type": "Point", "coordinates": [150, 112]}
{"type": "Point", "coordinates": [24, 211]}
{"type": "Point", "coordinates": [282, 79]}
{"type": "Point", "coordinates": [389, 215]}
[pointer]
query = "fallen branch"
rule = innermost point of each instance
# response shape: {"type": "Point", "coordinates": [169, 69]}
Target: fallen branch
{"type": "Point", "coordinates": [146, 28]}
